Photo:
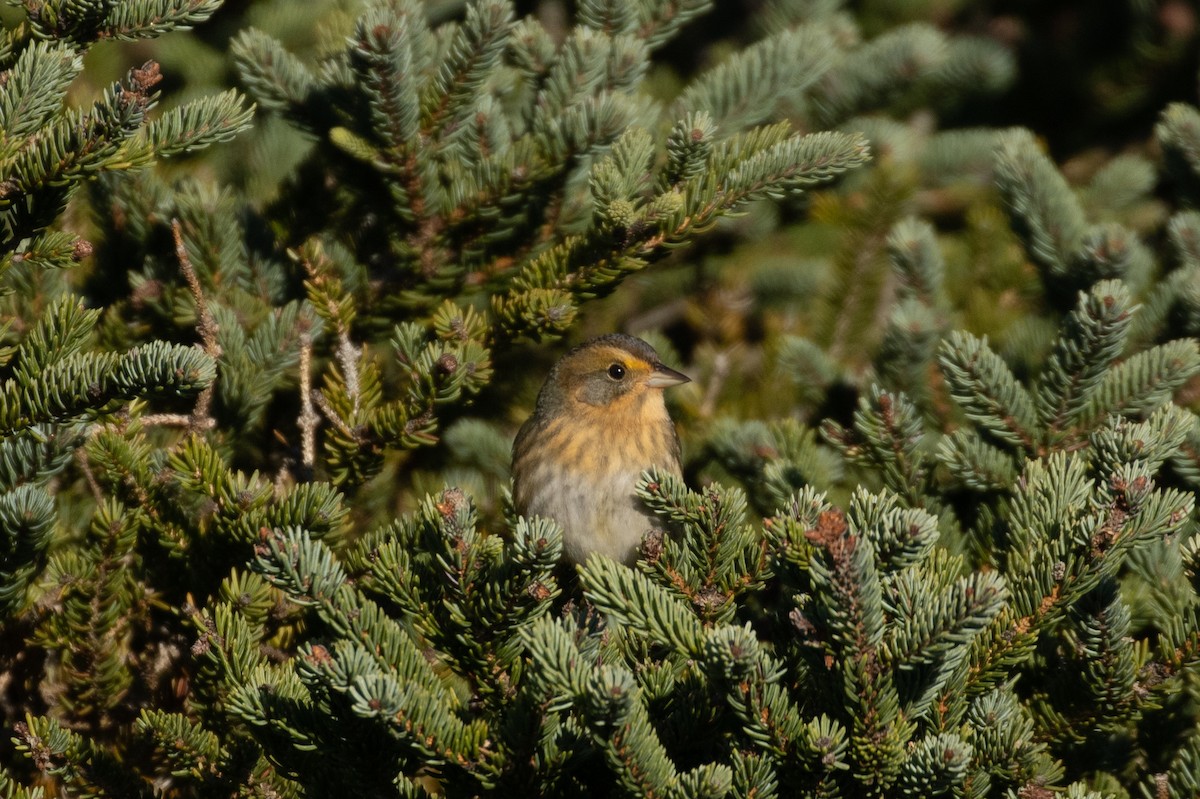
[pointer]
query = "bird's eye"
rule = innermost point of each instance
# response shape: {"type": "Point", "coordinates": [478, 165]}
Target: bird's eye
{"type": "Point", "coordinates": [616, 371]}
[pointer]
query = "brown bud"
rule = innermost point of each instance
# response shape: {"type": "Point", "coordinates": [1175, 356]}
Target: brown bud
{"type": "Point", "coordinates": [652, 545]}
{"type": "Point", "coordinates": [319, 656]}
{"type": "Point", "coordinates": [452, 500]}
{"type": "Point", "coordinates": [145, 77]}
{"type": "Point", "coordinates": [538, 591]}
{"type": "Point", "coordinates": [81, 249]}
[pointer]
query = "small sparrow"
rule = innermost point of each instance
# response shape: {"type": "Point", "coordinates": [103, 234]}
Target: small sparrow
{"type": "Point", "coordinates": [600, 421]}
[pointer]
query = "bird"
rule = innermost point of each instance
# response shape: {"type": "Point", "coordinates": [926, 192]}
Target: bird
{"type": "Point", "coordinates": [600, 421]}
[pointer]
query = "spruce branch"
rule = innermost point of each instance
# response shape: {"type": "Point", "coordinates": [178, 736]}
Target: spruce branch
{"type": "Point", "coordinates": [1043, 210]}
{"type": "Point", "coordinates": [36, 455]}
{"type": "Point", "coordinates": [609, 16]}
{"type": "Point", "coordinates": [123, 463]}
{"type": "Point", "coordinates": [862, 286]}
{"type": "Point", "coordinates": [390, 685]}
{"type": "Point", "coordinates": [716, 559]}
{"type": "Point", "coordinates": [95, 601]}
{"type": "Point", "coordinates": [1174, 302]}
{"type": "Point", "coordinates": [1067, 534]}
{"type": "Point", "coordinates": [1178, 131]}
{"type": "Point", "coordinates": [149, 19]}
{"type": "Point", "coordinates": [907, 352]}
{"type": "Point", "coordinates": [751, 681]}
{"type": "Point", "coordinates": [1005, 740]}
{"type": "Point", "coordinates": [633, 601]}
{"type": "Point", "coordinates": [888, 436]}
{"type": "Point", "coordinates": [689, 147]}
{"type": "Point", "coordinates": [985, 388]}
{"type": "Point", "coordinates": [196, 125]}
{"type": "Point", "coordinates": [187, 748]}
{"type": "Point", "coordinates": [469, 595]}
{"type": "Point", "coordinates": [239, 506]}
{"type": "Point", "coordinates": [1120, 186]}
{"type": "Point", "coordinates": [613, 710]}
{"type": "Point", "coordinates": [937, 765]}
{"type": "Point", "coordinates": [63, 330]}
{"type": "Point", "coordinates": [1184, 232]}
{"type": "Point", "coordinates": [12, 789]}
{"type": "Point", "coordinates": [798, 162]}
{"type": "Point", "coordinates": [660, 20]}
{"type": "Point", "coordinates": [50, 151]}
{"type": "Point", "coordinates": [582, 71]}
{"type": "Point", "coordinates": [161, 369]}
{"type": "Point", "coordinates": [40, 178]}
{"type": "Point", "coordinates": [973, 65]}
{"type": "Point", "coordinates": [33, 92]}
{"type": "Point", "coordinates": [1100, 634]}
{"type": "Point", "coordinates": [917, 261]}
{"type": "Point", "coordinates": [771, 461]}
{"type": "Point", "coordinates": [54, 380]}
{"type": "Point", "coordinates": [1186, 459]}
{"type": "Point", "coordinates": [311, 574]}
{"type": "Point", "coordinates": [975, 463]}
{"type": "Point", "coordinates": [934, 626]}
{"type": "Point", "coordinates": [966, 154]}
{"type": "Point", "coordinates": [901, 537]}
{"type": "Point", "coordinates": [51, 250]}
{"type": "Point", "coordinates": [72, 759]}
{"type": "Point", "coordinates": [472, 56]}
{"type": "Point", "coordinates": [531, 50]}
{"type": "Point", "coordinates": [1111, 251]}
{"type": "Point", "coordinates": [850, 608]}
{"type": "Point", "coordinates": [761, 163]}
{"type": "Point", "coordinates": [876, 72]}
{"type": "Point", "coordinates": [278, 80]}
{"type": "Point", "coordinates": [1182, 774]}
{"type": "Point", "coordinates": [384, 60]}
{"type": "Point", "coordinates": [1121, 442]}
{"type": "Point", "coordinates": [1144, 381]}
{"type": "Point", "coordinates": [27, 521]}
{"type": "Point", "coordinates": [746, 89]}
{"type": "Point", "coordinates": [1093, 336]}
{"type": "Point", "coordinates": [556, 674]}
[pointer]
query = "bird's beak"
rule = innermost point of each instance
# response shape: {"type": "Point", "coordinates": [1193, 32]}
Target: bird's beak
{"type": "Point", "coordinates": [665, 377]}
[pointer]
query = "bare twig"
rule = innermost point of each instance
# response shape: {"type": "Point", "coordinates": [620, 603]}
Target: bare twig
{"type": "Point", "coordinates": [721, 367]}
{"type": "Point", "coordinates": [333, 416]}
{"type": "Point", "coordinates": [86, 467]}
{"type": "Point", "coordinates": [176, 420]}
{"type": "Point", "coordinates": [347, 355]}
{"type": "Point", "coordinates": [309, 419]}
{"type": "Point", "coordinates": [206, 326]}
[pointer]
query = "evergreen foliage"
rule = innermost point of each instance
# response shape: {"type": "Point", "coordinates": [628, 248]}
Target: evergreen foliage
{"type": "Point", "coordinates": [936, 536]}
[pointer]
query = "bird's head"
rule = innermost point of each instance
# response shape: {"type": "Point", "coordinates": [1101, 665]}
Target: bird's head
{"type": "Point", "coordinates": [608, 372]}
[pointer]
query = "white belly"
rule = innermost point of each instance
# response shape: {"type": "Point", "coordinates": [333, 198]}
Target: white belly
{"type": "Point", "coordinates": [601, 515]}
